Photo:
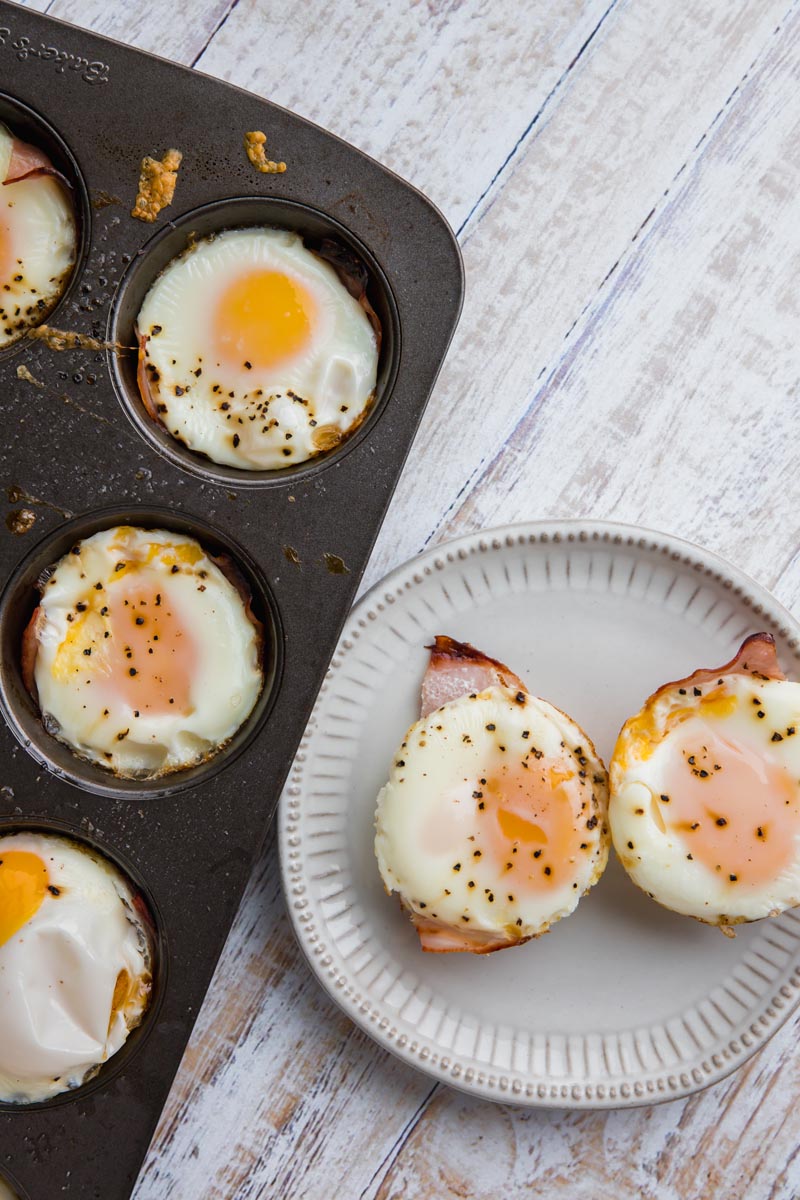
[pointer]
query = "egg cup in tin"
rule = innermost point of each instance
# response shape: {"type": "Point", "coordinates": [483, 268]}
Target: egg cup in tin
{"type": "Point", "coordinates": [82, 454]}
{"type": "Point", "coordinates": [236, 213]}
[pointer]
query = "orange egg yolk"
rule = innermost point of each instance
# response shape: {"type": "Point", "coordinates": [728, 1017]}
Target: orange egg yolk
{"type": "Point", "coordinates": [735, 811]}
{"type": "Point", "coordinates": [149, 659]}
{"type": "Point", "coordinates": [23, 887]}
{"type": "Point", "coordinates": [262, 318]}
{"type": "Point", "coordinates": [527, 824]}
{"type": "Point", "coordinates": [534, 822]}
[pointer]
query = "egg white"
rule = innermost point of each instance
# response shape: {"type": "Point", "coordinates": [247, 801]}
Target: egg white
{"type": "Point", "coordinates": [261, 418]}
{"type": "Point", "coordinates": [59, 971]}
{"type": "Point", "coordinates": [440, 755]}
{"type": "Point", "coordinates": [226, 677]}
{"type": "Point", "coordinates": [658, 859]}
{"type": "Point", "coordinates": [37, 221]}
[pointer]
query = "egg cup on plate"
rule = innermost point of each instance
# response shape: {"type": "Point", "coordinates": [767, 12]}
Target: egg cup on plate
{"type": "Point", "coordinates": [705, 799]}
{"type": "Point", "coordinates": [493, 822]}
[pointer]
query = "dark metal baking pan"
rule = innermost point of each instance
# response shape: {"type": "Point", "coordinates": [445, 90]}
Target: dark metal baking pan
{"type": "Point", "coordinates": [78, 448]}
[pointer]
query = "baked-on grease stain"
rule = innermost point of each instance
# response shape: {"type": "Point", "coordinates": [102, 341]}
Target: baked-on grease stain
{"type": "Point", "coordinates": [17, 495]}
{"type": "Point", "coordinates": [335, 564]}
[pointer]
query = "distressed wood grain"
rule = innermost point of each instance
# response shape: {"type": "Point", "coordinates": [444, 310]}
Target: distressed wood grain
{"type": "Point", "coordinates": [676, 404]}
{"type": "Point", "coordinates": [623, 175]}
{"type": "Point", "coordinates": [272, 1071]}
{"type": "Point", "coordinates": [541, 252]}
{"type": "Point", "coordinates": [442, 92]}
{"type": "Point", "coordinates": [179, 31]}
{"type": "Point", "coordinates": [736, 1139]}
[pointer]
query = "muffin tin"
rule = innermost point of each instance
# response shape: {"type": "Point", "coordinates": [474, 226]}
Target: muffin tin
{"type": "Point", "coordinates": [81, 454]}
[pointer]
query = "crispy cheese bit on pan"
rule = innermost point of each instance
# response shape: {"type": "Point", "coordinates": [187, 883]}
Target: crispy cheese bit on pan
{"type": "Point", "coordinates": [66, 339]}
{"type": "Point", "coordinates": [157, 181]}
{"type": "Point", "coordinates": [255, 146]}
{"type": "Point", "coordinates": [25, 374]}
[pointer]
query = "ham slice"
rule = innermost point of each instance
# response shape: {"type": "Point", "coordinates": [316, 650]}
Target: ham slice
{"type": "Point", "coordinates": [30, 649]}
{"type": "Point", "coordinates": [237, 580]}
{"type": "Point", "coordinates": [27, 161]}
{"type": "Point", "coordinates": [756, 656]}
{"type": "Point", "coordinates": [353, 275]}
{"type": "Point", "coordinates": [437, 937]}
{"type": "Point", "coordinates": [147, 379]}
{"type": "Point", "coordinates": [457, 669]}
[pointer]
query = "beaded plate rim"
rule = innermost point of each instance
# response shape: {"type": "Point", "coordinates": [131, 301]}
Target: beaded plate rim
{"type": "Point", "coordinates": [308, 922]}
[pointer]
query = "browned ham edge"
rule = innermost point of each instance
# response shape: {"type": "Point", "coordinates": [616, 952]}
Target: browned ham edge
{"type": "Point", "coordinates": [353, 275]}
{"type": "Point", "coordinates": [142, 379]}
{"type": "Point", "coordinates": [27, 161]}
{"type": "Point", "coordinates": [237, 580]}
{"type": "Point", "coordinates": [437, 937]}
{"type": "Point", "coordinates": [139, 905]}
{"type": "Point", "coordinates": [457, 669]}
{"type": "Point", "coordinates": [30, 649]}
{"type": "Point", "coordinates": [756, 656]}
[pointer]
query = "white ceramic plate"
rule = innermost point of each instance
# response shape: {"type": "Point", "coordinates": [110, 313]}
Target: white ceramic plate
{"type": "Point", "coordinates": [622, 1003]}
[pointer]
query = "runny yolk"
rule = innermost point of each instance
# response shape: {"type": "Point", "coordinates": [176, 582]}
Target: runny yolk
{"type": "Point", "coordinates": [733, 809]}
{"type": "Point", "coordinates": [532, 827]}
{"type": "Point", "coordinates": [261, 319]}
{"type": "Point", "coordinates": [23, 886]}
{"type": "Point", "coordinates": [518, 829]}
{"type": "Point", "coordinates": [149, 659]}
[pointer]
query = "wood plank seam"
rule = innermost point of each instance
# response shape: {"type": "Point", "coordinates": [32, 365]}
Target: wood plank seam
{"type": "Point", "coordinates": [731, 127]}
{"type": "Point", "coordinates": [784, 571]}
{"type": "Point", "coordinates": [533, 123]}
{"type": "Point", "coordinates": [593, 309]}
{"type": "Point", "coordinates": [389, 1159]}
{"type": "Point", "coordinates": [214, 32]}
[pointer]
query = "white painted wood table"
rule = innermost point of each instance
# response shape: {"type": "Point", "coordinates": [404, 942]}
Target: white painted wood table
{"type": "Point", "coordinates": [624, 178]}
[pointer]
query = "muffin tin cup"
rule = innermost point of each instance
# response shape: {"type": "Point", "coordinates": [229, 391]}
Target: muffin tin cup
{"type": "Point", "coordinates": [238, 213]}
{"type": "Point", "coordinates": [78, 442]}
{"type": "Point", "coordinates": [21, 596]}
{"type": "Point", "coordinates": [137, 1038]}
{"type": "Point", "coordinates": [31, 127]}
